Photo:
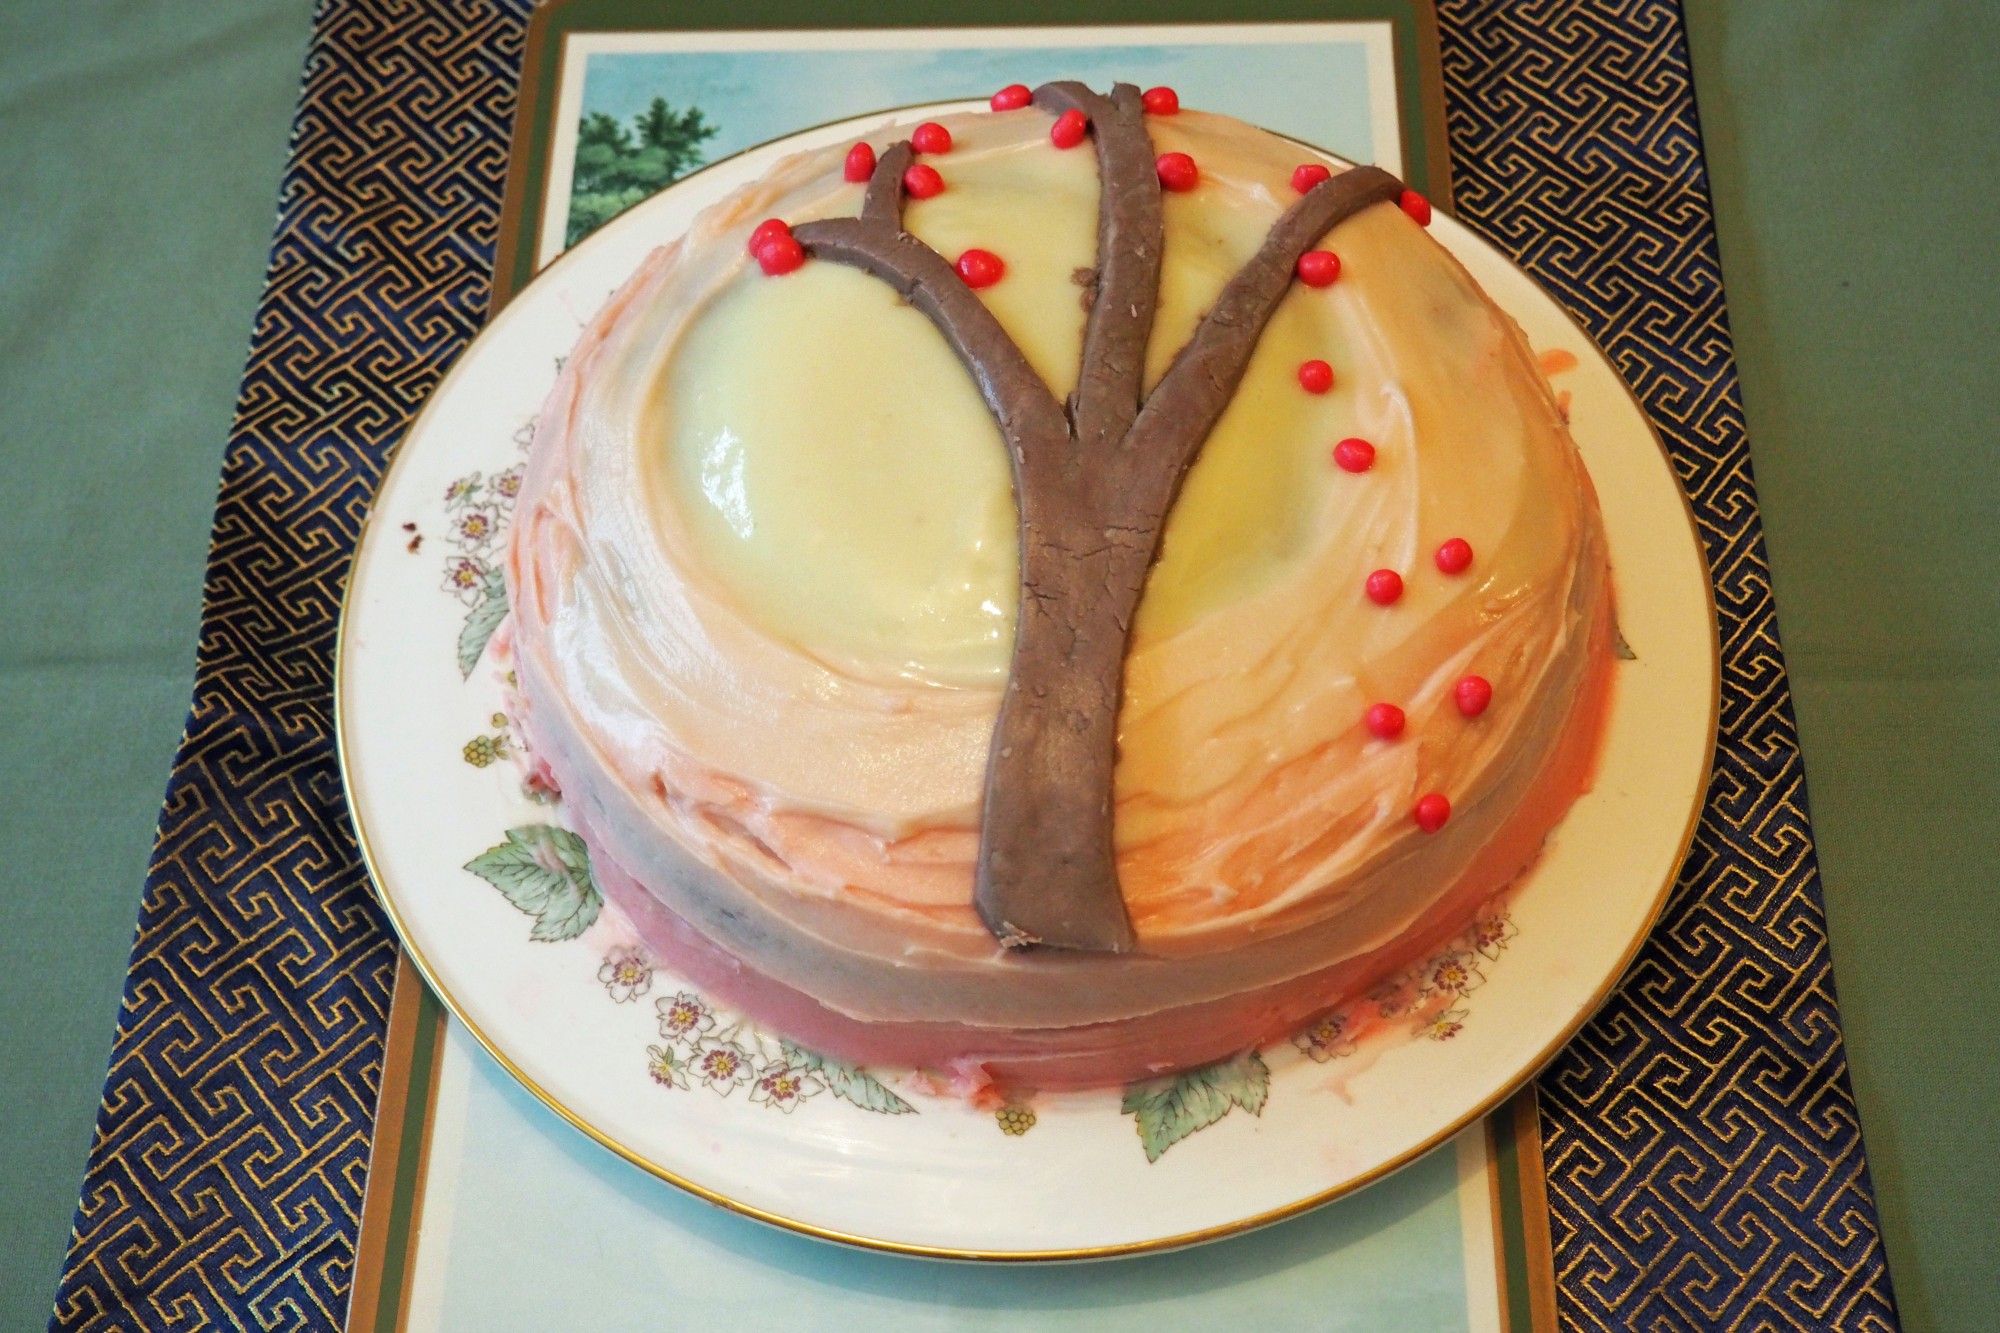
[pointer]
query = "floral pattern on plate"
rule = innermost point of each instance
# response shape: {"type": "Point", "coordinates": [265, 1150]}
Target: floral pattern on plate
{"type": "Point", "coordinates": [544, 871]}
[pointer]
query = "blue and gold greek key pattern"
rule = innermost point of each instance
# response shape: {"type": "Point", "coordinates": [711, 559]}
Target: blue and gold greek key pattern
{"type": "Point", "coordinates": [1704, 1157]}
{"type": "Point", "coordinates": [226, 1174]}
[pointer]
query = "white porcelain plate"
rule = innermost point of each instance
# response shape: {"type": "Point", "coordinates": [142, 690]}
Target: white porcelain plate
{"type": "Point", "coordinates": [494, 901]}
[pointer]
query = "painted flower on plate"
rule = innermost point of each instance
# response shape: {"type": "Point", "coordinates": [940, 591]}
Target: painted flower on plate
{"type": "Point", "coordinates": [723, 1067]}
{"type": "Point", "coordinates": [684, 1016]}
{"type": "Point", "coordinates": [667, 1067]}
{"type": "Point", "coordinates": [506, 486]}
{"type": "Point", "coordinates": [462, 491]}
{"type": "Point", "coordinates": [465, 578]}
{"type": "Point", "coordinates": [782, 1087]}
{"type": "Point", "coordinates": [1491, 933]}
{"type": "Point", "coordinates": [475, 527]}
{"type": "Point", "coordinates": [481, 751]}
{"type": "Point", "coordinates": [1443, 1026]}
{"type": "Point", "coordinates": [1453, 974]}
{"type": "Point", "coordinates": [1325, 1040]}
{"type": "Point", "coordinates": [626, 975]}
{"type": "Point", "coordinates": [1393, 997]}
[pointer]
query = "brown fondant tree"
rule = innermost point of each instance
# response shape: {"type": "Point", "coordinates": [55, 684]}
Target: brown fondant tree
{"type": "Point", "coordinates": [1093, 481]}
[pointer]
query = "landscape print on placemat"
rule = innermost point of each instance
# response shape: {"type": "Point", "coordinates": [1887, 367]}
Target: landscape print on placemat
{"type": "Point", "coordinates": [621, 163]}
{"type": "Point", "coordinates": [648, 117]}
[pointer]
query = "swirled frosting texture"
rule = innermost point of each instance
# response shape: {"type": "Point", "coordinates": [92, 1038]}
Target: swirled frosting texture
{"type": "Point", "coordinates": [763, 585]}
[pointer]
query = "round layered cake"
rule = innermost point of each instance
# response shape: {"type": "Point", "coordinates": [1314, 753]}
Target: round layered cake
{"type": "Point", "coordinates": [1057, 594]}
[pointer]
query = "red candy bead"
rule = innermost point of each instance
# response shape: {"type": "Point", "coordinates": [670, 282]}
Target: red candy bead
{"type": "Point", "coordinates": [780, 254]}
{"type": "Point", "coordinates": [1315, 376]}
{"type": "Point", "coordinates": [1431, 812]}
{"type": "Point", "coordinates": [767, 230]}
{"type": "Point", "coordinates": [1160, 101]}
{"type": "Point", "coordinates": [1319, 268]}
{"type": "Point", "coordinates": [1354, 455]}
{"type": "Point", "coordinates": [1011, 98]}
{"type": "Point", "coordinates": [1069, 129]}
{"type": "Point", "coordinates": [1472, 695]}
{"type": "Point", "coordinates": [981, 268]}
{"type": "Point", "coordinates": [921, 182]}
{"type": "Point", "coordinates": [1455, 556]}
{"type": "Point", "coordinates": [930, 137]}
{"type": "Point", "coordinates": [1309, 175]}
{"type": "Point", "coordinates": [1177, 172]}
{"type": "Point", "coordinates": [1385, 586]}
{"type": "Point", "coordinates": [860, 163]}
{"type": "Point", "coordinates": [1384, 721]}
{"type": "Point", "coordinates": [1418, 207]}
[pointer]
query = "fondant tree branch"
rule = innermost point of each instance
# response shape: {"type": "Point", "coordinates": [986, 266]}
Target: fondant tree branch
{"type": "Point", "coordinates": [1093, 482]}
{"type": "Point", "coordinates": [1185, 405]}
{"type": "Point", "coordinates": [882, 204]}
{"type": "Point", "coordinates": [1130, 229]}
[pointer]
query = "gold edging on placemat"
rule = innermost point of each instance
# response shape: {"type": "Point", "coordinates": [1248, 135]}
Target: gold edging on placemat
{"type": "Point", "coordinates": [527, 105]}
{"type": "Point", "coordinates": [1507, 1088]}
{"type": "Point", "coordinates": [1495, 1213]}
{"type": "Point", "coordinates": [391, 1107]}
{"type": "Point", "coordinates": [419, 1189]}
{"type": "Point", "coordinates": [1515, 1129]}
{"type": "Point", "coordinates": [1531, 1172]}
{"type": "Point", "coordinates": [1430, 97]}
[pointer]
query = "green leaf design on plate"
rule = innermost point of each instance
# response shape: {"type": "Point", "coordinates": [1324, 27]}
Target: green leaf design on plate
{"type": "Point", "coordinates": [1169, 1109]}
{"type": "Point", "coordinates": [482, 620]}
{"type": "Point", "coordinates": [846, 1082]}
{"type": "Point", "coordinates": [544, 871]}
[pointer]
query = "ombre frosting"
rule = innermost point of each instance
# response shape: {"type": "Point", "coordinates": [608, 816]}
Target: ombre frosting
{"type": "Point", "coordinates": [763, 579]}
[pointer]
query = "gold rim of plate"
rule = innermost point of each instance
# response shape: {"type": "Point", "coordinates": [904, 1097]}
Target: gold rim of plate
{"type": "Point", "coordinates": [1506, 1088]}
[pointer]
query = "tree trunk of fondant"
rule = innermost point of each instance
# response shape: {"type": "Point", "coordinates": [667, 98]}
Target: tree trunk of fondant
{"type": "Point", "coordinates": [1047, 870]}
{"type": "Point", "coordinates": [1094, 480]}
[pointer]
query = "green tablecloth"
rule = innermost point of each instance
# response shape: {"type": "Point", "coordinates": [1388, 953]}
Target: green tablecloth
{"type": "Point", "coordinates": [1851, 149]}
{"type": "Point", "coordinates": [140, 148]}
{"type": "Point", "coordinates": [1854, 154]}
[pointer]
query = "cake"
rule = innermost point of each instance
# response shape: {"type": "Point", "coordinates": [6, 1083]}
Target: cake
{"type": "Point", "coordinates": [1057, 594]}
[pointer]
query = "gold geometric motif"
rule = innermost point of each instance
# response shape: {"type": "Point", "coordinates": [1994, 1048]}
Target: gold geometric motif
{"type": "Point", "coordinates": [226, 1174]}
{"type": "Point", "coordinates": [1704, 1159]}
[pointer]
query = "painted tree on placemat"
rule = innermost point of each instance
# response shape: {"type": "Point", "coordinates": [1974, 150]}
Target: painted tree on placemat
{"type": "Point", "coordinates": [1094, 477]}
{"type": "Point", "coordinates": [617, 168]}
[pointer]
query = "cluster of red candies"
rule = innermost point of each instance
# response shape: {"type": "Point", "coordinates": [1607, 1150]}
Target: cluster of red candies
{"type": "Point", "coordinates": [1384, 587]}
{"type": "Point", "coordinates": [1471, 694]}
{"type": "Point", "coordinates": [775, 248]}
{"type": "Point", "coordinates": [777, 252]}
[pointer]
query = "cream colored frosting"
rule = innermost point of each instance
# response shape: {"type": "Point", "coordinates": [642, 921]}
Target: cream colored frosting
{"type": "Point", "coordinates": [764, 578]}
